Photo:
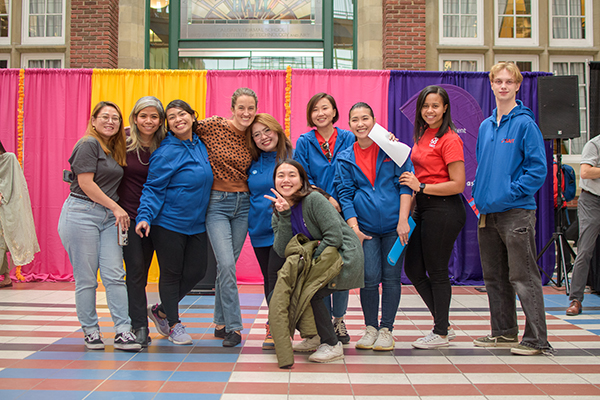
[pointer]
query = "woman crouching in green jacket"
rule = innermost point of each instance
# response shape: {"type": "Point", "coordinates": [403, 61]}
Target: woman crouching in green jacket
{"type": "Point", "coordinates": [301, 209]}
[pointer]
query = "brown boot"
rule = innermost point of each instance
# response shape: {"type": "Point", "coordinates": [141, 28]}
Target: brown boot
{"type": "Point", "coordinates": [575, 308]}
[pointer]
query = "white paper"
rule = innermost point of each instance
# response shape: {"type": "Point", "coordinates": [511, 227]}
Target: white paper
{"type": "Point", "coordinates": [397, 151]}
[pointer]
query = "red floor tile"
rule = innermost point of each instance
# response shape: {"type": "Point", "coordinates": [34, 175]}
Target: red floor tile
{"type": "Point", "coordinates": [70, 384]}
{"type": "Point", "coordinates": [323, 389]}
{"type": "Point", "coordinates": [130, 386]}
{"type": "Point", "coordinates": [485, 369]}
{"type": "Point", "coordinates": [430, 369]}
{"type": "Point", "coordinates": [570, 390]}
{"type": "Point", "coordinates": [256, 367]}
{"type": "Point", "coordinates": [193, 387]}
{"type": "Point", "coordinates": [150, 366]}
{"type": "Point", "coordinates": [383, 390]}
{"type": "Point", "coordinates": [518, 389]}
{"type": "Point", "coordinates": [374, 368]}
{"type": "Point", "coordinates": [20, 383]}
{"type": "Point", "coordinates": [540, 369]}
{"type": "Point", "coordinates": [314, 367]}
{"type": "Point", "coordinates": [446, 390]}
{"type": "Point", "coordinates": [258, 388]}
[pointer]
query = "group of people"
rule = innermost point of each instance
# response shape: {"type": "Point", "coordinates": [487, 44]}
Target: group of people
{"type": "Point", "coordinates": [175, 182]}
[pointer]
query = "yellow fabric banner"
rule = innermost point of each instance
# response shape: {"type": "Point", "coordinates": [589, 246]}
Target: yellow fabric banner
{"type": "Point", "coordinates": [125, 86]}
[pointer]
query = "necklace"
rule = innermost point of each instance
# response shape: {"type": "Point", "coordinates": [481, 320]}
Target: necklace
{"type": "Point", "coordinates": [139, 158]}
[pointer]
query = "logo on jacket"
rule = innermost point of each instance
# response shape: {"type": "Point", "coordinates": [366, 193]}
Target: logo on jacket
{"type": "Point", "coordinates": [254, 172]}
{"type": "Point", "coordinates": [433, 142]}
{"type": "Point", "coordinates": [387, 159]}
{"type": "Point", "coordinates": [507, 141]}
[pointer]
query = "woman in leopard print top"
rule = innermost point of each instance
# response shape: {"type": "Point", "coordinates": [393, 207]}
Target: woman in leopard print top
{"type": "Point", "coordinates": [227, 213]}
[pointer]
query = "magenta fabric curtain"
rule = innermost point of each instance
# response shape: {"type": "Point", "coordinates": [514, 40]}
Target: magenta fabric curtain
{"type": "Point", "coordinates": [9, 97]}
{"type": "Point", "coordinates": [347, 88]}
{"type": "Point", "coordinates": [268, 85]}
{"type": "Point", "coordinates": [56, 111]}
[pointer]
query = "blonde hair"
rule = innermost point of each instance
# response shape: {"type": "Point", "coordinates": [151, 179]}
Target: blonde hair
{"type": "Point", "coordinates": [510, 67]}
{"type": "Point", "coordinates": [115, 145]}
{"type": "Point", "coordinates": [133, 141]}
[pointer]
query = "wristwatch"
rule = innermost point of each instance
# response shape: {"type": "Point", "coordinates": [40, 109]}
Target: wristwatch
{"type": "Point", "coordinates": [421, 187]}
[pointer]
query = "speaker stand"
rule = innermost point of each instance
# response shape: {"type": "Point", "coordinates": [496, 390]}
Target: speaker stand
{"type": "Point", "coordinates": [562, 246]}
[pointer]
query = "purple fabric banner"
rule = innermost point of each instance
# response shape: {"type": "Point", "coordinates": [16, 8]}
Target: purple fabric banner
{"type": "Point", "coordinates": [465, 265]}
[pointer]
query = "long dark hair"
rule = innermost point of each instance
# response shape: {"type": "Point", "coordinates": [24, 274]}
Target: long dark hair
{"type": "Point", "coordinates": [305, 189]}
{"type": "Point", "coordinates": [420, 124]}
{"type": "Point", "coordinates": [185, 107]}
{"type": "Point", "coordinates": [284, 146]}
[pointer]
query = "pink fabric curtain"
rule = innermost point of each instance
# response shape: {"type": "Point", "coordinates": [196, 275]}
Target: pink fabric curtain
{"type": "Point", "coordinates": [9, 96]}
{"type": "Point", "coordinates": [56, 110]}
{"type": "Point", "coordinates": [270, 89]}
{"type": "Point", "coordinates": [347, 88]}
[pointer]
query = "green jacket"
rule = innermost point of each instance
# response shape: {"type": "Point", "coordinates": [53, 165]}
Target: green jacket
{"type": "Point", "coordinates": [326, 225]}
{"type": "Point", "coordinates": [297, 281]}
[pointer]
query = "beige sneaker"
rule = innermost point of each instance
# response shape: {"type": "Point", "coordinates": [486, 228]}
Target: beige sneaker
{"type": "Point", "coordinates": [385, 340]}
{"type": "Point", "coordinates": [308, 344]}
{"type": "Point", "coordinates": [368, 340]}
{"type": "Point", "coordinates": [327, 353]}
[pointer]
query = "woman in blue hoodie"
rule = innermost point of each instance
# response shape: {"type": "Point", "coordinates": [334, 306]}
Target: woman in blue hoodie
{"type": "Point", "coordinates": [317, 151]}
{"type": "Point", "coordinates": [268, 145]}
{"type": "Point", "coordinates": [376, 207]}
{"type": "Point", "coordinates": [173, 203]}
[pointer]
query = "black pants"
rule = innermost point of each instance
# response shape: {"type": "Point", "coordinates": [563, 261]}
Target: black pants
{"type": "Point", "coordinates": [439, 220]}
{"type": "Point", "coordinates": [138, 257]}
{"type": "Point", "coordinates": [270, 263]}
{"type": "Point", "coordinates": [182, 261]}
{"type": "Point", "coordinates": [323, 317]}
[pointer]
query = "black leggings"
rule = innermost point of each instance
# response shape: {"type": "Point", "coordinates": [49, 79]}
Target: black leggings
{"type": "Point", "coordinates": [270, 263]}
{"type": "Point", "coordinates": [182, 261]}
{"type": "Point", "coordinates": [323, 317]}
{"type": "Point", "coordinates": [439, 220]}
{"type": "Point", "coordinates": [138, 257]}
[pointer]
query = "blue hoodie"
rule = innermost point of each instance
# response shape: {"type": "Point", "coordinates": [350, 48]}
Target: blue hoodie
{"type": "Point", "coordinates": [260, 182]}
{"type": "Point", "coordinates": [176, 193]}
{"type": "Point", "coordinates": [321, 172]}
{"type": "Point", "coordinates": [511, 162]}
{"type": "Point", "coordinates": [375, 206]}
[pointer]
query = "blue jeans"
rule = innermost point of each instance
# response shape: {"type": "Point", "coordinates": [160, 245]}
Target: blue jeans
{"type": "Point", "coordinates": [507, 249]}
{"type": "Point", "coordinates": [378, 270]}
{"type": "Point", "coordinates": [227, 226]}
{"type": "Point", "coordinates": [337, 303]}
{"type": "Point", "coordinates": [89, 235]}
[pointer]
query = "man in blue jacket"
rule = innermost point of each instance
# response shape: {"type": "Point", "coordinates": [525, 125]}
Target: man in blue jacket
{"type": "Point", "coordinates": [511, 169]}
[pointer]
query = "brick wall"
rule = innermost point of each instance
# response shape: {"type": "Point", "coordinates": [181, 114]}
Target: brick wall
{"type": "Point", "coordinates": [94, 34]}
{"type": "Point", "coordinates": [404, 34]}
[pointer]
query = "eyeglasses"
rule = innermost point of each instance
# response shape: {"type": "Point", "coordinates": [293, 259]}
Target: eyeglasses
{"type": "Point", "coordinates": [264, 132]}
{"type": "Point", "coordinates": [325, 147]}
{"type": "Point", "coordinates": [105, 118]}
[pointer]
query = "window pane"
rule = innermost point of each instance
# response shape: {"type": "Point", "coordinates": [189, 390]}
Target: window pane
{"type": "Point", "coordinates": [560, 28]}
{"type": "Point", "coordinates": [469, 27]}
{"type": "Point", "coordinates": [560, 68]}
{"type": "Point", "coordinates": [523, 27]}
{"type": "Point", "coordinates": [52, 63]}
{"type": "Point", "coordinates": [468, 7]}
{"type": "Point", "coordinates": [450, 65]}
{"type": "Point", "coordinates": [576, 7]}
{"type": "Point", "coordinates": [54, 27]}
{"type": "Point", "coordinates": [577, 28]}
{"type": "Point", "coordinates": [523, 7]}
{"type": "Point", "coordinates": [3, 26]}
{"type": "Point", "coordinates": [36, 26]}
{"type": "Point", "coordinates": [36, 7]}
{"type": "Point", "coordinates": [54, 6]}
{"type": "Point", "coordinates": [505, 6]}
{"type": "Point", "coordinates": [524, 66]}
{"type": "Point", "coordinates": [3, 6]}
{"type": "Point", "coordinates": [582, 120]}
{"type": "Point", "coordinates": [505, 27]}
{"type": "Point", "coordinates": [451, 25]}
{"type": "Point", "coordinates": [578, 68]}
{"type": "Point", "coordinates": [35, 64]}
{"type": "Point", "coordinates": [559, 7]}
{"type": "Point", "coordinates": [450, 7]}
{"type": "Point", "coordinates": [468, 66]}
{"type": "Point", "coordinates": [3, 63]}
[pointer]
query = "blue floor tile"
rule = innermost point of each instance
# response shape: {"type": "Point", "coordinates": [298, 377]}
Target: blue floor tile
{"type": "Point", "coordinates": [120, 396]}
{"type": "Point", "coordinates": [12, 373]}
{"type": "Point", "coordinates": [56, 355]}
{"type": "Point", "coordinates": [10, 394]}
{"type": "Point", "coordinates": [107, 355]}
{"type": "Point", "coordinates": [132, 375]}
{"type": "Point", "coordinates": [187, 396]}
{"type": "Point", "coordinates": [584, 321]}
{"type": "Point", "coordinates": [224, 358]}
{"type": "Point", "coordinates": [595, 331]}
{"type": "Point", "coordinates": [52, 394]}
{"type": "Point", "coordinates": [204, 376]}
{"type": "Point", "coordinates": [168, 357]}
{"type": "Point", "coordinates": [98, 374]}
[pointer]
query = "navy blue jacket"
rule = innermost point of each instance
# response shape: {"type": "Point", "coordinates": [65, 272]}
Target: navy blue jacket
{"type": "Point", "coordinates": [321, 172]}
{"type": "Point", "coordinates": [176, 193]}
{"type": "Point", "coordinates": [375, 206]}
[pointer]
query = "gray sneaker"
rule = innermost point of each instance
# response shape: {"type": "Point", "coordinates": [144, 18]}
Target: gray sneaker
{"type": "Point", "coordinates": [525, 350]}
{"type": "Point", "coordinates": [178, 335]}
{"type": "Point", "coordinates": [369, 338]}
{"type": "Point", "coordinates": [385, 341]}
{"type": "Point", "coordinates": [161, 324]}
{"type": "Point", "coordinates": [497, 341]}
{"type": "Point", "coordinates": [308, 344]}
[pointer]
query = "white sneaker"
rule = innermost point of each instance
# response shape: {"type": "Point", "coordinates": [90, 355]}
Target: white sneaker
{"type": "Point", "coordinates": [385, 340]}
{"type": "Point", "coordinates": [451, 334]}
{"type": "Point", "coordinates": [308, 344]}
{"type": "Point", "coordinates": [368, 340]}
{"type": "Point", "coordinates": [327, 353]}
{"type": "Point", "coordinates": [431, 341]}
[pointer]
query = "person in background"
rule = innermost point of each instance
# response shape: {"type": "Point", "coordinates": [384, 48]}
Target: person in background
{"type": "Point", "coordinates": [439, 215]}
{"type": "Point", "coordinates": [227, 214]}
{"type": "Point", "coordinates": [268, 145]}
{"type": "Point", "coordinates": [376, 207]}
{"type": "Point", "coordinates": [172, 213]}
{"type": "Point", "coordinates": [147, 130]}
{"type": "Point", "coordinates": [89, 223]}
{"type": "Point", "coordinates": [511, 168]}
{"type": "Point", "coordinates": [317, 151]}
{"type": "Point", "coordinates": [300, 209]}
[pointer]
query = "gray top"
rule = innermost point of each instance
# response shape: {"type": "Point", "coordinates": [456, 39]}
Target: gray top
{"type": "Point", "coordinates": [591, 155]}
{"type": "Point", "coordinates": [88, 156]}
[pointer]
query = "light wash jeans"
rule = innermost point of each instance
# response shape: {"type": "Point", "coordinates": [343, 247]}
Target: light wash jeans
{"type": "Point", "coordinates": [227, 227]}
{"type": "Point", "coordinates": [89, 235]}
{"type": "Point", "coordinates": [378, 270]}
{"type": "Point", "coordinates": [507, 249]}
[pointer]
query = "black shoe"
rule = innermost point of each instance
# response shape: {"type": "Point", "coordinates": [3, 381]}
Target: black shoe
{"type": "Point", "coordinates": [220, 333]}
{"type": "Point", "coordinates": [232, 339]}
{"type": "Point", "coordinates": [126, 341]}
{"type": "Point", "coordinates": [341, 332]}
{"type": "Point", "coordinates": [93, 341]}
{"type": "Point", "coordinates": [141, 336]}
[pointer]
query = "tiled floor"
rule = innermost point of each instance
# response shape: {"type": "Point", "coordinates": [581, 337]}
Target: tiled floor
{"type": "Point", "coordinates": [42, 355]}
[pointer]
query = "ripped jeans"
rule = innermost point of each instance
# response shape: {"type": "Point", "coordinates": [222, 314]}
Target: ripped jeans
{"type": "Point", "coordinates": [507, 249]}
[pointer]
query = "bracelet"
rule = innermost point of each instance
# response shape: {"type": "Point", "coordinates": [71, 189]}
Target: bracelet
{"type": "Point", "coordinates": [354, 226]}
